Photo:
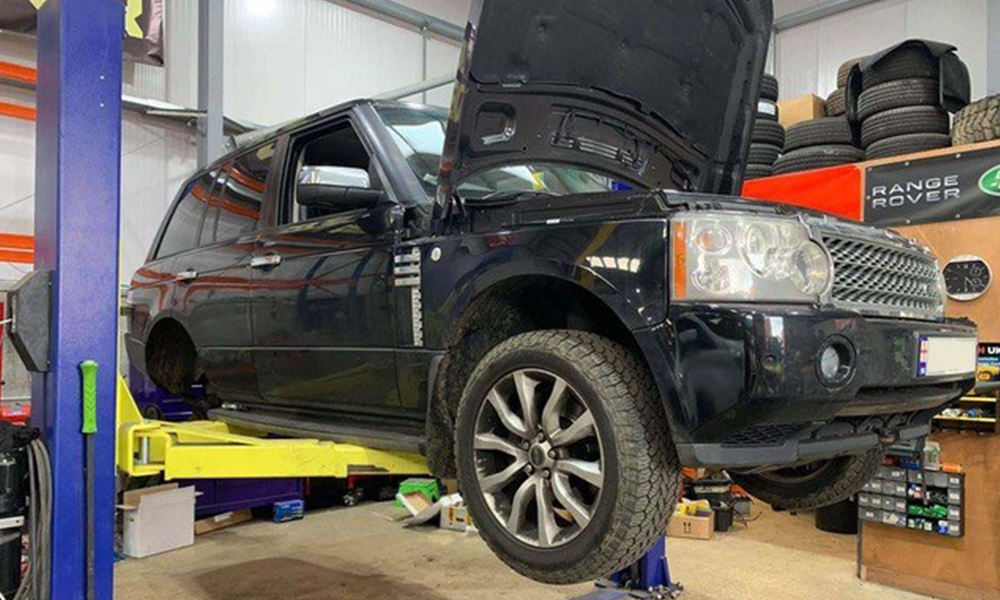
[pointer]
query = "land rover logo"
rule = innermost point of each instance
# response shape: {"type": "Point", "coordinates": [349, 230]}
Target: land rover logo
{"type": "Point", "coordinates": [989, 183]}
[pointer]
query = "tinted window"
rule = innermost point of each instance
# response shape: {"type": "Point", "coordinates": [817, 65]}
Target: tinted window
{"type": "Point", "coordinates": [182, 231]}
{"type": "Point", "coordinates": [238, 199]}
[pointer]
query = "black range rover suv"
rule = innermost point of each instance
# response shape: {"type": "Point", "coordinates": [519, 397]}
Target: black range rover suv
{"type": "Point", "coordinates": [550, 291]}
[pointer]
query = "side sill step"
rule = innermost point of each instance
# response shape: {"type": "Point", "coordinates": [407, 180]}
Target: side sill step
{"type": "Point", "coordinates": [299, 427]}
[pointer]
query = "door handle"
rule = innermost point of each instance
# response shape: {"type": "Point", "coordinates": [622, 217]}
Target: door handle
{"type": "Point", "coordinates": [265, 261]}
{"type": "Point", "coordinates": [186, 276]}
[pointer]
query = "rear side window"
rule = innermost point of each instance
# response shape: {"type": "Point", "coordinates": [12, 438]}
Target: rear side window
{"type": "Point", "coordinates": [185, 222]}
{"type": "Point", "coordinates": [238, 199]}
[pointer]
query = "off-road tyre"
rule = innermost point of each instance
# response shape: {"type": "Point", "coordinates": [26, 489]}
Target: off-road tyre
{"type": "Point", "coordinates": [758, 171]}
{"type": "Point", "coordinates": [769, 89]}
{"type": "Point", "coordinates": [907, 144]}
{"type": "Point", "coordinates": [841, 478]}
{"type": "Point", "coordinates": [643, 473]}
{"type": "Point", "coordinates": [763, 154]}
{"type": "Point", "coordinates": [819, 132]}
{"type": "Point", "coordinates": [766, 131]}
{"type": "Point", "coordinates": [836, 103]}
{"type": "Point", "coordinates": [904, 121]}
{"type": "Point", "coordinates": [817, 157]}
{"type": "Point", "coordinates": [914, 62]}
{"type": "Point", "coordinates": [897, 94]}
{"type": "Point", "coordinates": [845, 71]}
{"type": "Point", "coordinates": [978, 122]}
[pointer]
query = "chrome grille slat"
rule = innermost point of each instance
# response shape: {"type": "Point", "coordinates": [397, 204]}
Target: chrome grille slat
{"type": "Point", "coordinates": [883, 277]}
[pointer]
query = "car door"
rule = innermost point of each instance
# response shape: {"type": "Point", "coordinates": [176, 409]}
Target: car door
{"type": "Point", "coordinates": [323, 310]}
{"type": "Point", "coordinates": [214, 279]}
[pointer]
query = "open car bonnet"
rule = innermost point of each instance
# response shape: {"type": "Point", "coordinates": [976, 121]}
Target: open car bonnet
{"type": "Point", "coordinates": [661, 94]}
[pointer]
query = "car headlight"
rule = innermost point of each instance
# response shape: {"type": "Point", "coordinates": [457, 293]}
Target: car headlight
{"type": "Point", "coordinates": [746, 258]}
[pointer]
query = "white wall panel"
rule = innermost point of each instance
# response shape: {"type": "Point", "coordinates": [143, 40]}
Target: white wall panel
{"type": "Point", "coordinates": [856, 33]}
{"type": "Point", "coordinates": [960, 23]}
{"type": "Point", "coordinates": [351, 55]}
{"type": "Point", "coordinates": [797, 60]}
{"type": "Point", "coordinates": [265, 60]}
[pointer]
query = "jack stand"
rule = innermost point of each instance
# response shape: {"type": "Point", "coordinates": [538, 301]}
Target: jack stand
{"type": "Point", "coordinates": [647, 579]}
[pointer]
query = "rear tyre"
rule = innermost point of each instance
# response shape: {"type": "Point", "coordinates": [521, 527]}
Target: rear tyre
{"type": "Point", "coordinates": [818, 484]}
{"type": "Point", "coordinates": [564, 456]}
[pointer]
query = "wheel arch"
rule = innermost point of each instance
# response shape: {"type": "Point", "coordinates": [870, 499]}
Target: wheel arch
{"type": "Point", "coordinates": [171, 355]}
{"type": "Point", "coordinates": [493, 310]}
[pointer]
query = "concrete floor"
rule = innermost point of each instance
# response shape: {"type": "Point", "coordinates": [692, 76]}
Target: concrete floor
{"type": "Point", "coordinates": [360, 553]}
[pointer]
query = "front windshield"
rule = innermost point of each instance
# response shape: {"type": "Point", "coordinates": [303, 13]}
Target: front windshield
{"type": "Point", "coordinates": [419, 133]}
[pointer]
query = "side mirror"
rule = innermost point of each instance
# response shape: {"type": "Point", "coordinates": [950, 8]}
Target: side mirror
{"type": "Point", "coordinates": [337, 188]}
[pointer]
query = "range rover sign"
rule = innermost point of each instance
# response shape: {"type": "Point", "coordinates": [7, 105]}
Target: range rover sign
{"type": "Point", "coordinates": [963, 185]}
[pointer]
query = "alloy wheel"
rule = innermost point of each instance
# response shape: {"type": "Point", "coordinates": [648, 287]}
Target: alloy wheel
{"type": "Point", "coordinates": [538, 458]}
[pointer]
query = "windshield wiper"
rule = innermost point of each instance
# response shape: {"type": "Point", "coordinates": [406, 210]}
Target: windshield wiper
{"type": "Point", "coordinates": [508, 197]}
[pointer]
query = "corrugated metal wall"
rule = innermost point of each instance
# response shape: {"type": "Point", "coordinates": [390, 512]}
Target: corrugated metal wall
{"type": "Point", "coordinates": [806, 58]}
{"type": "Point", "coordinates": [284, 59]}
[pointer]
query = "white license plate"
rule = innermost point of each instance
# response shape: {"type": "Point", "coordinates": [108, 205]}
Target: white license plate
{"type": "Point", "coordinates": [941, 356]}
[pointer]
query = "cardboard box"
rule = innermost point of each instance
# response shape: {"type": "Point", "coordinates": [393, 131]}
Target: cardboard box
{"type": "Point", "coordinates": [227, 519]}
{"type": "Point", "coordinates": [695, 528]}
{"type": "Point", "coordinates": [455, 514]}
{"type": "Point", "coordinates": [803, 108]}
{"type": "Point", "coordinates": [157, 519]}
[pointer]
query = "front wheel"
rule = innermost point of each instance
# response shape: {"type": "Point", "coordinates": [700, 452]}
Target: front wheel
{"type": "Point", "coordinates": [564, 454]}
{"type": "Point", "coordinates": [814, 485]}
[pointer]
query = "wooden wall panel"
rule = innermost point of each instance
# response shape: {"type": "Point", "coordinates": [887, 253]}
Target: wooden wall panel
{"type": "Point", "coordinates": [976, 236]}
{"type": "Point", "coordinates": [965, 568]}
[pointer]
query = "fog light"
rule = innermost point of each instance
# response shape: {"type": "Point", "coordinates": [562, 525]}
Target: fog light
{"type": "Point", "coordinates": [829, 363]}
{"type": "Point", "coordinates": [835, 362]}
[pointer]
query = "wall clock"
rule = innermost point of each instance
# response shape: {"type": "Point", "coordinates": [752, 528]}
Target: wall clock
{"type": "Point", "coordinates": [967, 277]}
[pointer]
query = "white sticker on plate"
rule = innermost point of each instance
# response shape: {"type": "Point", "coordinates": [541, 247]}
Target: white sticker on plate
{"type": "Point", "coordinates": [941, 356]}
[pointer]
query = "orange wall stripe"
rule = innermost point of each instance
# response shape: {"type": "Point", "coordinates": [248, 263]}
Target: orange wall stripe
{"type": "Point", "coordinates": [17, 111]}
{"type": "Point", "coordinates": [17, 72]}
{"type": "Point", "coordinates": [16, 241]}
{"type": "Point", "coordinates": [15, 256]}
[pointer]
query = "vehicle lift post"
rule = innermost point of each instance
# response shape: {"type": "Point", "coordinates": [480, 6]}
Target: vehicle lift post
{"type": "Point", "coordinates": [77, 184]}
{"type": "Point", "coordinates": [646, 579]}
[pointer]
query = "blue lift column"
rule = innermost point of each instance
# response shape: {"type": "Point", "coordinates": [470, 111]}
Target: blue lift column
{"type": "Point", "coordinates": [77, 183]}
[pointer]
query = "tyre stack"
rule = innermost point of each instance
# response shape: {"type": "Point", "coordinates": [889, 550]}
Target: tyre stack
{"type": "Point", "coordinates": [900, 106]}
{"type": "Point", "coordinates": [768, 134]}
{"type": "Point", "coordinates": [818, 144]}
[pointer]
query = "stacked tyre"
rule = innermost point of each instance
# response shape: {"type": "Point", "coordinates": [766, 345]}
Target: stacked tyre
{"type": "Point", "coordinates": [900, 106]}
{"type": "Point", "coordinates": [768, 134]}
{"type": "Point", "coordinates": [818, 144]}
{"type": "Point", "coordinates": [978, 122]}
{"type": "Point", "coordinates": [836, 103]}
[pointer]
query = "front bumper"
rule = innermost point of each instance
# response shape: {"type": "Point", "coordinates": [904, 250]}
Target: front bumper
{"type": "Point", "coordinates": [742, 386]}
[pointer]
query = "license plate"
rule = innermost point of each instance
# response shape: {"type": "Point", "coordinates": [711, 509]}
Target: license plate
{"type": "Point", "coordinates": [941, 356]}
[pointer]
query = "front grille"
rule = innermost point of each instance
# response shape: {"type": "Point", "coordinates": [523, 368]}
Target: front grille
{"type": "Point", "coordinates": [883, 278]}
